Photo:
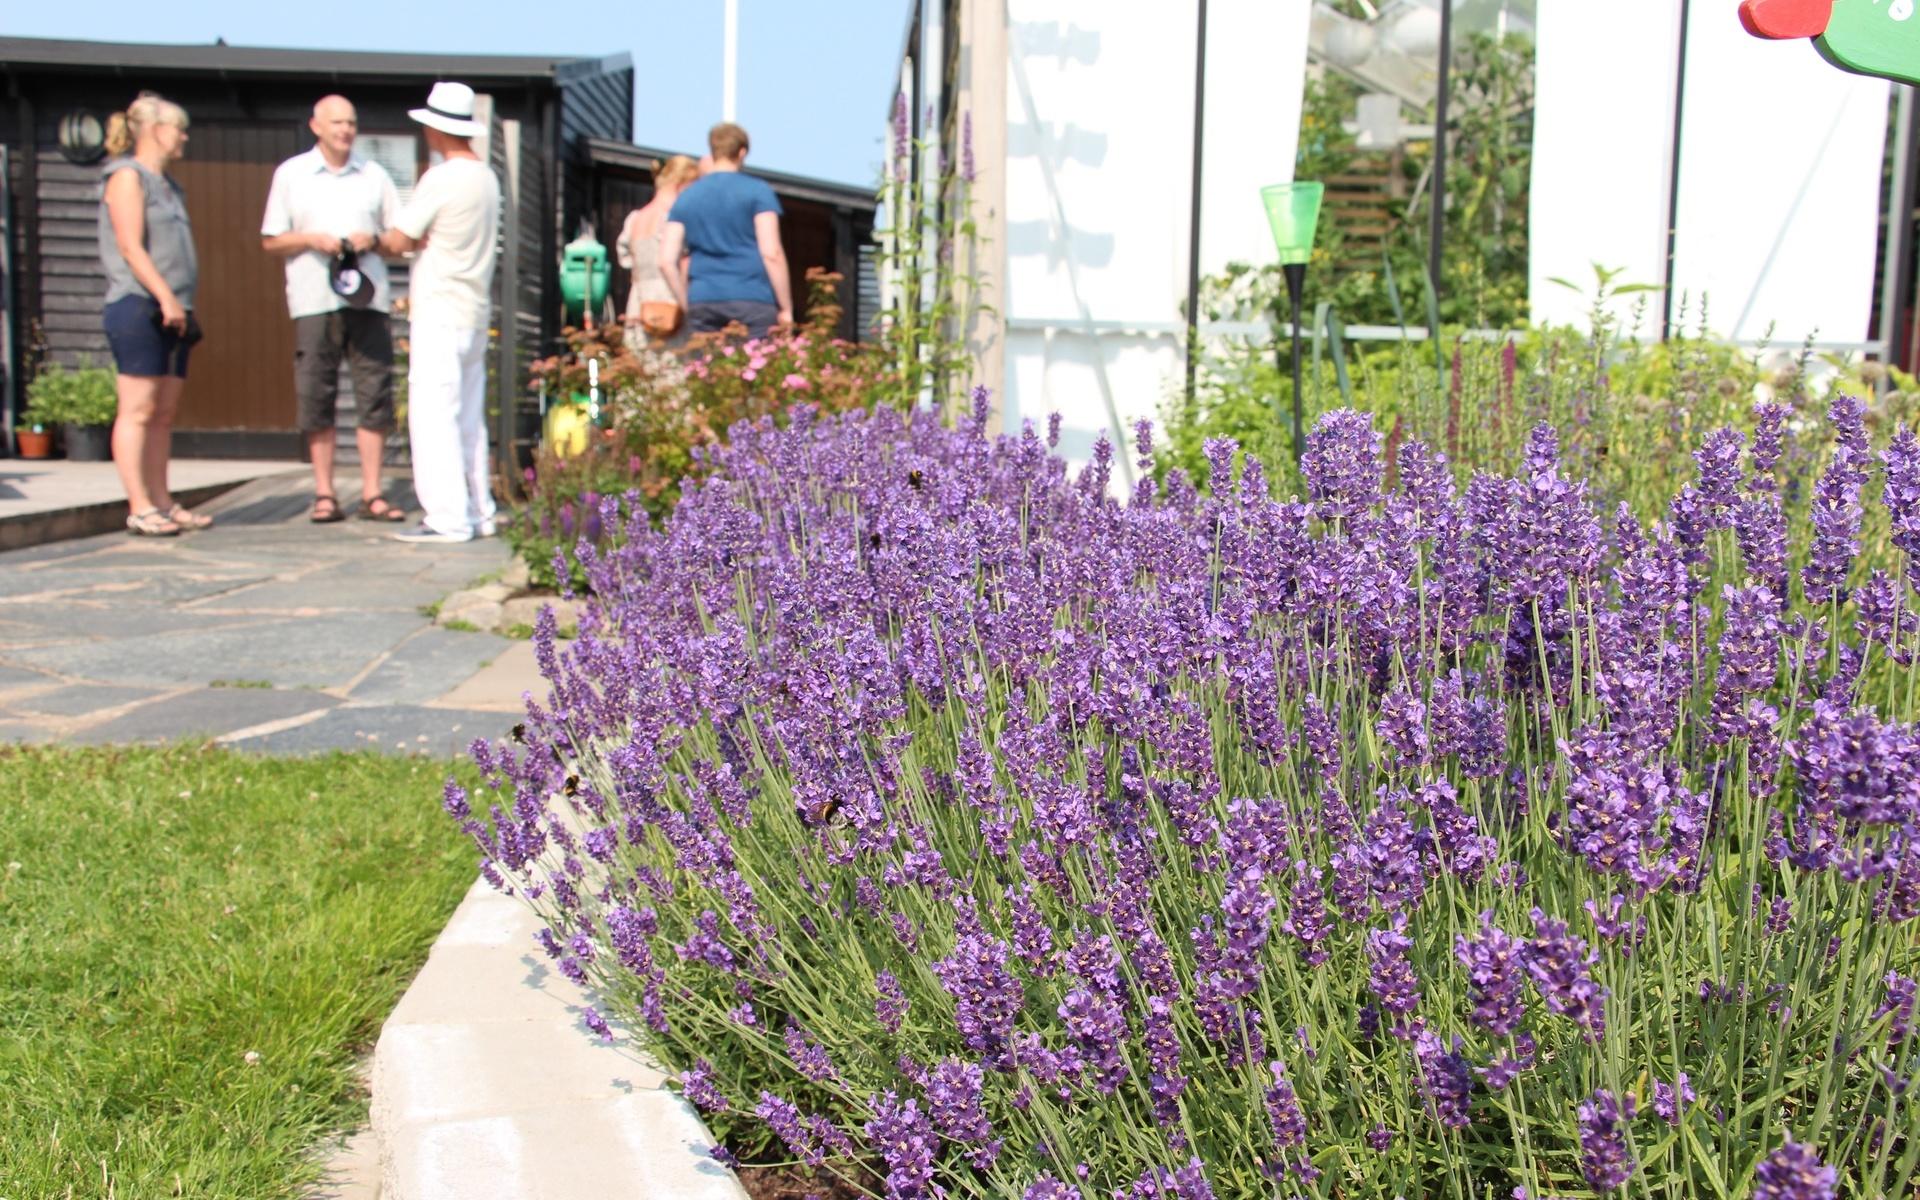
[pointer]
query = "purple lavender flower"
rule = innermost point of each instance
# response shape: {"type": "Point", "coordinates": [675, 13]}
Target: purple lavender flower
{"type": "Point", "coordinates": [1558, 961]}
{"type": "Point", "coordinates": [1289, 1124]}
{"type": "Point", "coordinates": [966, 147]}
{"type": "Point", "coordinates": [1306, 920]}
{"type": "Point", "coordinates": [591, 1018]}
{"type": "Point", "coordinates": [1901, 495]}
{"type": "Point", "coordinates": [954, 1089]}
{"type": "Point", "coordinates": [1161, 1183]}
{"type": "Point", "coordinates": [697, 1083]}
{"type": "Point", "coordinates": [1165, 1081]}
{"type": "Point", "coordinates": [1496, 974]}
{"type": "Point", "coordinates": [1446, 1079]}
{"type": "Point", "coordinates": [1900, 1002]}
{"type": "Point", "coordinates": [1769, 439]}
{"type": "Point", "coordinates": [784, 1119]}
{"type": "Point", "coordinates": [1719, 462]}
{"type": "Point", "coordinates": [809, 1057]}
{"type": "Point", "coordinates": [986, 996]}
{"type": "Point", "coordinates": [890, 1008]}
{"type": "Point", "coordinates": [1795, 1172]}
{"type": "Point", "coordinates": [1836, 504]}
{"type": "Point", "coordinates": [1099, 1028]}
{"type": "Point", "coordinates": [1391, 977]}
{"type": "Point", "coordinates": [901, 135]}
{"type": "Point", "coordinates": [1380, 1138]}
{"type": "Point", "coordinates": [1049, 1187]}
{"type": "Point", "coordinates": [907, 1145]}
{"type": "Point", "coordinates": [1670, 1100]}
{"type": "Point", "coordinates": [1342, 464]}
{"type": "Point", "coordinates": [1606, 1157]}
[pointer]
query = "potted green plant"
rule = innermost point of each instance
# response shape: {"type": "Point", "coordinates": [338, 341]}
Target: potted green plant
{"type": "Point", "coordinates": [34, 441]}
{"type": "Point", "coordinates": [82, 401]}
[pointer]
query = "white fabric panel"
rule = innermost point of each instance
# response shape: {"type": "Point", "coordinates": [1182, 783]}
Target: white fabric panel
{"type": "Point", "coordinates": [1602, 147]}
{"type": "Point", "coordinates": [1780, 187]}
{"type": "Point", "coordinates": [1256, 73]}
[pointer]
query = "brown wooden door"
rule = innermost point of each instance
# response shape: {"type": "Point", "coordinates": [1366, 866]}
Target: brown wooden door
{"type": "Point", "coordinates": [242, 376]}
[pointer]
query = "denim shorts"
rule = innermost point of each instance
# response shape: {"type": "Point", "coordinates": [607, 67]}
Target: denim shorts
{"type": "Point", "coordinates": [713, 316]}
{"type": "Point", "coordinates": [141, 345]}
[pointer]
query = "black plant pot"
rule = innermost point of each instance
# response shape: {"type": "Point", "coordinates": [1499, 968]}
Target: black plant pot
{"type": "Point", "coordinates": [88, 443]}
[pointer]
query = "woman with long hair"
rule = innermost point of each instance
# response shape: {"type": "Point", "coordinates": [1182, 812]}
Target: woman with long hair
{"type": "Point", "coordinates": [650, 302]}
{"type": "Point", "coordinates": [146, 246]}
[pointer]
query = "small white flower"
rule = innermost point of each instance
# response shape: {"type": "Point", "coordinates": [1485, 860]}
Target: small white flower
{"type": "Point", "coordinates": [186, 794]}
{"type": "Point", "coordinates": [251, 1058]}
{"type": "Point", "coordinates": [13, 868]}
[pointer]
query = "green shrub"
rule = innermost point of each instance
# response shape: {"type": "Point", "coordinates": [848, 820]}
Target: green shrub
{"type": "Point", "coordinates": [83, 395]}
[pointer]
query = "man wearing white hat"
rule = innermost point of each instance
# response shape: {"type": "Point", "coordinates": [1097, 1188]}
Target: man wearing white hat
{"type": "Point", "coordinates": [450, 221]}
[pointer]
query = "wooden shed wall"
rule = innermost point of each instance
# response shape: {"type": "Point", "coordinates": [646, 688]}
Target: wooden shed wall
{"type": "Point", "coordinates": [241, 130]}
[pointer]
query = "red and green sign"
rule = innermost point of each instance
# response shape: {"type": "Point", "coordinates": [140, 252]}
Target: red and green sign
{"type": "Point", "coordinates": [1867, 37]}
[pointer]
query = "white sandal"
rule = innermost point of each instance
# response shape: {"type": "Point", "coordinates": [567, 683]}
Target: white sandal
{"type": "Point", "coordinates": [152, 523]}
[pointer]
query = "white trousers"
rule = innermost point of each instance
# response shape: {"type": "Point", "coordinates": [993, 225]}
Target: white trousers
{"type": "Point", "coordinates": [447, 425]}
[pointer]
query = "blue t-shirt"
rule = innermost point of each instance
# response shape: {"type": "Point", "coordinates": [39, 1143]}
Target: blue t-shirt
{"type": "Point", "coordinates": [718, 213]}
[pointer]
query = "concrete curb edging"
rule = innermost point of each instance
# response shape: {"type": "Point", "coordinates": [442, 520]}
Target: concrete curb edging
{"type": "Point", "coordinates": [486, 1085]}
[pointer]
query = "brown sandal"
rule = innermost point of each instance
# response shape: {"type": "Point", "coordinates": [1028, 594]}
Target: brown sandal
{"type": "Point", "coordinates": [378, 509]}
{"type": "Point", "coordinates": [326, 510]}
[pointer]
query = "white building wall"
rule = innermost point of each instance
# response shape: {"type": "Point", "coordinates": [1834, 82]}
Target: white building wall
{"type": "Point", "coordinates": [1780, 188]}
{"type": "Point", "coordinates": [1779, 171]}
{"type": "Point", "coordinates": [1098, 182]}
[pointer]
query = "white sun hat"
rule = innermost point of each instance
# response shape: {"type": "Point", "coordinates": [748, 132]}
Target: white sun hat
{"type": "Point", "coordinates": [450, 110]}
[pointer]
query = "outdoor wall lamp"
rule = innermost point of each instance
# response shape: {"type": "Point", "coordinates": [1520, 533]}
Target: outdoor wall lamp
{"type": "Point", "coordinates": [82, 138]}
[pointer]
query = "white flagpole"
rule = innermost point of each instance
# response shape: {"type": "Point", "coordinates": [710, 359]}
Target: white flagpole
{"type": "Point", "coordinates": [730, 68]}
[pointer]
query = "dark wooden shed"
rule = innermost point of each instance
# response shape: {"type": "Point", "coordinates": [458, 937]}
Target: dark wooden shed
{"type": "Point", "coordinates": [249, 108]}
{"type": "Point", "coordinates": [823, 224]}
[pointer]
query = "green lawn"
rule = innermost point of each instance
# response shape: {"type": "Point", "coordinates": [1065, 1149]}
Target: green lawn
{"type": "Point", "coordinates": [195, 948]}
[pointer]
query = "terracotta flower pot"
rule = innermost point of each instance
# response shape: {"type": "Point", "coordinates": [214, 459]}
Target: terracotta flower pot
{"type": "Point", "coordinates": [34, 443]}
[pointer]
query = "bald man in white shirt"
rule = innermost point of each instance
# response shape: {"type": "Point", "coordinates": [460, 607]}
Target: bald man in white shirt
{"type": "Point", "coordinates": [320, 201]}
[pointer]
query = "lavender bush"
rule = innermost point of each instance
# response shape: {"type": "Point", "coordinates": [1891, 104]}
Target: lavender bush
{"type": "Point", "coordinates": [931, 812]}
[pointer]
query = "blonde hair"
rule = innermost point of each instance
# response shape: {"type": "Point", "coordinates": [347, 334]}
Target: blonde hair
{"type": "Point", "coordinates": [147, 110]}
{"type": "Point", "coordinates": [727, 141]}
{"type": "Point", "coordinates": [676, 171]}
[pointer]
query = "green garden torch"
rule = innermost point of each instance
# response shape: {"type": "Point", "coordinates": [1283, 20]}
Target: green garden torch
{"type": "Point", "coordinates": [1293, 210]}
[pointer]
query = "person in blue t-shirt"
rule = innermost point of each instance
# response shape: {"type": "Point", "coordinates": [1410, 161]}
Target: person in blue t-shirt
{"type": "Point", "coordinates": [728, 227]}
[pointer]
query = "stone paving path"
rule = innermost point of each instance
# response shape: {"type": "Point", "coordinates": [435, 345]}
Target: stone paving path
{"type": "Point", "coordinates": [265, 632]}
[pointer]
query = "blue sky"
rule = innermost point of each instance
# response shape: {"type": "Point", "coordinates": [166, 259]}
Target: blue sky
{"type": "Point", "coordinates": [815, 75]}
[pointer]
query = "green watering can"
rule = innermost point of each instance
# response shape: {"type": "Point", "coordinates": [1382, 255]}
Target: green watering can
{"type": "Point", "coordinates": [584, 277]}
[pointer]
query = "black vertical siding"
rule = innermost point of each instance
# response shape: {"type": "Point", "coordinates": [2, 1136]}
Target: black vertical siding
{"type": "Point", "coordinates": [593, 106]}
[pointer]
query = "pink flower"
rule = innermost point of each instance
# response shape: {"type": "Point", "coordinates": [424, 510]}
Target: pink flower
{"type": "Point", "coordinates": [749, 374]}
{"type": "Point", "coordinates": [757, 362]}
{"type": "Point", "coordinates": [797, 383]}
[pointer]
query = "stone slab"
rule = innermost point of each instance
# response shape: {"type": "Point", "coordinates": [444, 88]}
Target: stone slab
{"type": "Point", "coordinates": [645, 1146]}
{"type": "Point", "coordinates": [352, 1170]}
{"type": "Point", "coordinates": [392, 729]}
{"type": "Point", "coordinates": [74, 619]}
{"type": "Point", "coordinates": [349, 590]}
{"type": "Point", "coordinates": [485, 1083]}
{"type": "Point", "coordinates": [429, 663]}
{"type": "Point", "coordinates": [79, 699]}
{"type": "Point", "coordinates": [319, 651]}
{"type": "Point", "coordinates": [13, 679]}
{"type": "Point", "coordinates": [207, 712]}
{"type": "Point", "coordinates": [497, 687]}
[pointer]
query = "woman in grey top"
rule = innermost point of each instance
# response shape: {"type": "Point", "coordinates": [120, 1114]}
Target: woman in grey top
{"type": "Point", "coordinates": [146, 246]}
